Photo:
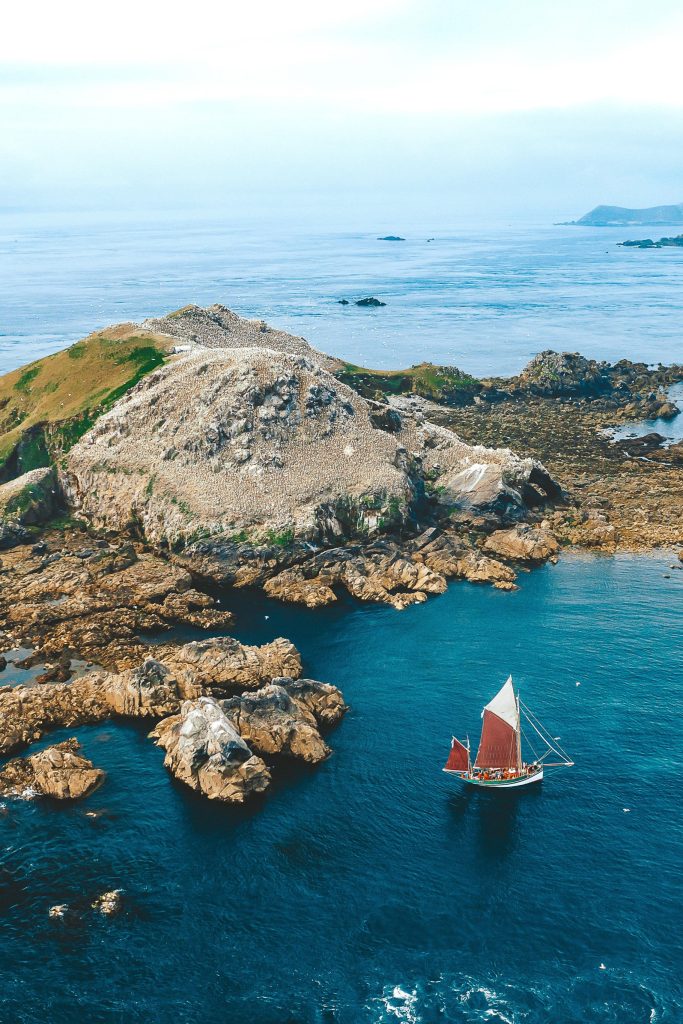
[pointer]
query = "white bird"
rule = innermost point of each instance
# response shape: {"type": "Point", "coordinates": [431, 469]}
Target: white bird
{"type": "Point", "coordinates": [602, 967]}
{"type": "Point", "coordinates": [267, 616]}
{"type": "Point", "coordinates": [626, 810]}
{"type": "Point", "coordinates": [578, 684]}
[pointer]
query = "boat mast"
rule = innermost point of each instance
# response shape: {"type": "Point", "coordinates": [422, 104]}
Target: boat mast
{"type": "Point", "coordinates": [519, 738]}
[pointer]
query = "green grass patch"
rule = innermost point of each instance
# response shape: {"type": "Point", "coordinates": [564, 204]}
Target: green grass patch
{"type": "Point", "coordinates": [27, 377]}
{"type": "Point", "coordinates": [281, 539]}
{"type": "Point", "coordinates": [438, 383]}
{"type": "Point", "coordinates": [67, 400]}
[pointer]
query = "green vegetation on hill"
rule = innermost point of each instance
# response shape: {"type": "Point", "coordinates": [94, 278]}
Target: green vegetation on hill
{"type": "Point", "coordinates": [445, 384]}
{"type": "Point", "coordinates": [47, 406]}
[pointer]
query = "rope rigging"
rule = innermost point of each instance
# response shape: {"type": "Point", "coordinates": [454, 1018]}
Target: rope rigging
{"type": "Point", "coordinates": [540, 729]}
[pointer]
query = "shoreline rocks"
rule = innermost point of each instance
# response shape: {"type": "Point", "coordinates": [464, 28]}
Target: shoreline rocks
{"type": "Point", "coordinates": [206, 740]}
{"type": "Point", "coordinates": [60, 772]}
{"type": "Point", "coordinates": [205, 751]}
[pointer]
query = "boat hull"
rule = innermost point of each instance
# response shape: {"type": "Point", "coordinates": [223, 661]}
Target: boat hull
{"type": "Point", "coordinates": [526, 780]}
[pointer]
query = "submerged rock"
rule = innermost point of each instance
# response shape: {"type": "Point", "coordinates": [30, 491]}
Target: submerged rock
{"type": "Point", "coordinates": [60, 772]}
{"type": "Point", "coordinates": [109, 903]}
{"type": "Point", "coordinates": [205, 751]}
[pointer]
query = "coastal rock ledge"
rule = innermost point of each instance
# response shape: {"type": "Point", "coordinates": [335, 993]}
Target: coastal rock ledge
{"type": "Point", "coordinates": [212, 745]}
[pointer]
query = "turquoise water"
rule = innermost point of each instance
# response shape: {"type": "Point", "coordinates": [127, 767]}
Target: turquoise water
{"type": "Point", "coordinates": [485, 298]}
{"type": "Point", "coordinates": [373, 888]}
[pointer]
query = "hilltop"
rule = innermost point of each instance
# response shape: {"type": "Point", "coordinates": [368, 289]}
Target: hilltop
{"type": "Point", "coordinates": [622, 216]}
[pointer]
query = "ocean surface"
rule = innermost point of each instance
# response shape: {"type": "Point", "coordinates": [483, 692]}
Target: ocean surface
{"type": "Point", "coordinates": [374, 888]}
{"type": "Point", "coordinates": [483, 298]}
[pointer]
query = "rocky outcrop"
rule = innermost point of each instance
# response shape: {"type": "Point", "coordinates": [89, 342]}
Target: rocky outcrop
{"type": "Point", "coordinates": [206, 752]}
{"type": "Point", "coordinates": [272, 722]}
{"type": "Point", "coordinates": [479, 481]}
{"type": "Point", "coordinates": [26, 712]}
{"type": "Point", "coordinates": [376, 573]}
{"type": "Point", "coordinates": [206, 741]}
{"type": "Point", "coordinates": [93, 596]}
{"type": "Point", "coordinates": [145, 692]}
{"type": "Point", "coordinates": [218, 327]}
{"type": "Point", "coordinates": [523, 544]}
{"type": "Point", "coordinates": [60, 772]}
{"type": "Point", "coordinates": [564, 373]}
{"type": "Point", "coordinates": [25, 501]}
{"type": "Point", "coordinates": [264, 446]}
{"type": "Point", "coordinates": [325, 702]}
{"type": "Point", "coordinates": [222, 663]}
{"type": "Point", "coordinates": [151, 690]}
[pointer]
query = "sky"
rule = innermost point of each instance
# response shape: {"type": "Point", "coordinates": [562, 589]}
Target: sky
{"type": "Point", "coordinates": [423, 108]}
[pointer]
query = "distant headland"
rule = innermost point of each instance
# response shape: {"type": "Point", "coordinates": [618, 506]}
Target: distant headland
{"type": "Point", "coordinates": [622, 216]}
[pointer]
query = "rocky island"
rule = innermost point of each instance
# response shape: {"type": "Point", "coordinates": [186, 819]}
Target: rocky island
{"type": "Point", "coordinates": [675, 241]}
{"type": "Point", "coordinates": [151, 463]}
{"type": "Point", "coordinates": [623, 216]}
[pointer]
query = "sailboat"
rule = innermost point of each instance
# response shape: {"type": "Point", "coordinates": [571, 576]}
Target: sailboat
{"type": "Point", "coordinates": [499, 763]}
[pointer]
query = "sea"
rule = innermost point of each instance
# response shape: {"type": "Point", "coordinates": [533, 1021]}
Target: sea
{"type": "Point", "coordinates": [375, 889]}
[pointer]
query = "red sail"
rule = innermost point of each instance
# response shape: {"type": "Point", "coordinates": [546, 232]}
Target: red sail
{"type": "Point", "coordinates": [458, 759]}
{"type": "Point", "coordinates": [498, 746]}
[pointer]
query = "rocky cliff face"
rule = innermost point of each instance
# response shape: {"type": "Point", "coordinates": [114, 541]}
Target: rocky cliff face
{"type": "Point", "coordinates": [222, 452]}
{"type": "Point", "coordinates": [249, 443]}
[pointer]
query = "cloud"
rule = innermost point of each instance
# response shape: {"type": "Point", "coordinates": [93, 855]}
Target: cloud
{"type": "Point", "coordinates": [381, 56]}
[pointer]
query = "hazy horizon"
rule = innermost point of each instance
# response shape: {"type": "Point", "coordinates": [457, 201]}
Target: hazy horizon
{"type": "Point", "coordinates": [400, 111]}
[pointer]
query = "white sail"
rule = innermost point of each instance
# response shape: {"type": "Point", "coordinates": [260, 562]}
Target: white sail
{"type": "Point", "coordinates": [504, 704]}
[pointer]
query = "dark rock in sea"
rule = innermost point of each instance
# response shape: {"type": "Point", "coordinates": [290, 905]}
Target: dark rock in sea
{"type": "Point", "coordinates": [391, 238]}
{"type": "Point", "coordinates": [667, 410]}
{"type": "Point", "coordinates": [371, 301]}
{"type": "Point", "coordinates": [343, 302]}
{"type": "Point", "coordinates": [647, 243]}
{"type": "Point", "coordinates": [641, 445]}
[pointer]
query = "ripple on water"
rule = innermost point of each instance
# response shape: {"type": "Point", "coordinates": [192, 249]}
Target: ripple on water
{"type": "Point", "coordinates": [374, 888]}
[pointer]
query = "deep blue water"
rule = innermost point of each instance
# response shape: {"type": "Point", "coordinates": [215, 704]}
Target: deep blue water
{"type": "Point", "coordinates": [373, 889]}
{"type": "Point", "coordinates": [484, 298]}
